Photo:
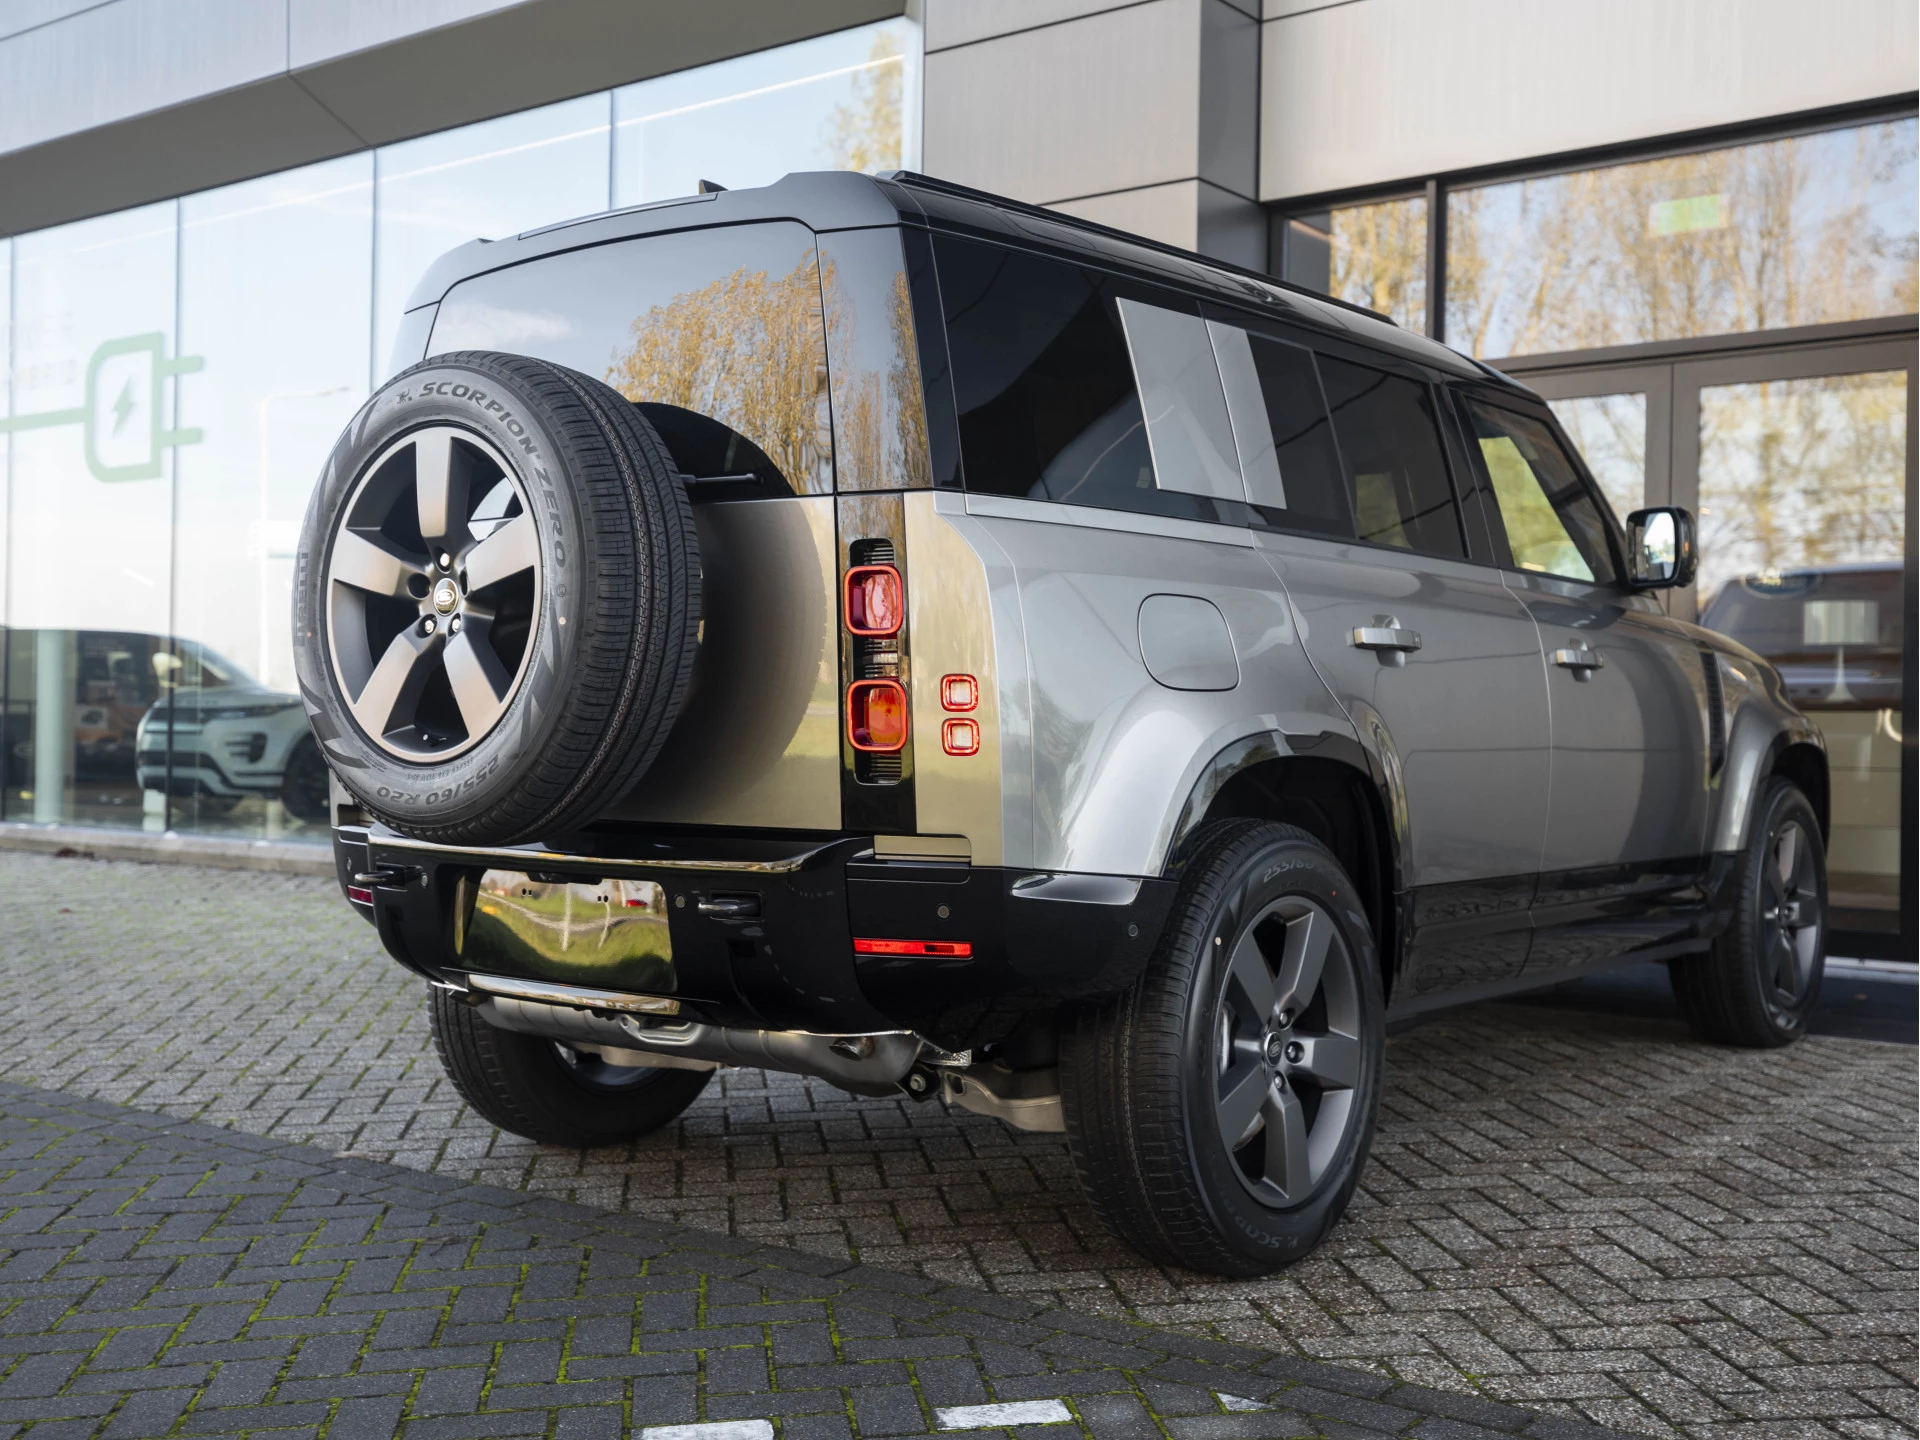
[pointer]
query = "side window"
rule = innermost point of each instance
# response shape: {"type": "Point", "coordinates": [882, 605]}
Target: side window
{"type": "Point", "coordinates": [1187, 425]}
{"type": "Point", "coordinates": [1308, 491]}
{"type": "Point", "coordinates": [1043, 383]}
{"type": "Point", "coordinates": [1553, 527]}
{"type": "Point", "coordinates": [1396, 468]}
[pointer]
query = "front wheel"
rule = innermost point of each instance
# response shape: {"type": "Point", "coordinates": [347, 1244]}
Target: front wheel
{"type": "Point", "coordinates": [549, 1092]}
{"type": "Point", "coordinates": [1220, 1111]}
{"type": "Point", "coordinates": [1761, 980]}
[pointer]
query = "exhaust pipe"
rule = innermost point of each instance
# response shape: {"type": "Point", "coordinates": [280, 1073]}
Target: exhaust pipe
{"type": "Point", "coordinates": [864, 1064]}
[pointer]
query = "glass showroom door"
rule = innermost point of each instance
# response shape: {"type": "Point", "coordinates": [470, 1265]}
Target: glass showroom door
{"type": "Point", "coordinates": [1799, 466]}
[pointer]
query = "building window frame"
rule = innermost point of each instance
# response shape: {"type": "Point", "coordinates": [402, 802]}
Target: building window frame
{"type": "Point", "coordinates": [1434, 189]}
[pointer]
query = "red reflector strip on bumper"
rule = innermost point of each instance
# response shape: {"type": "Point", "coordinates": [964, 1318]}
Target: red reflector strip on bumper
{"type": "Point", "coordinates": [359, 894]}
{"type": "Point", "coordinates": [913, 947]}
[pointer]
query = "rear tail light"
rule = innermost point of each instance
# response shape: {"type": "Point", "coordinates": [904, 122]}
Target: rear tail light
{"type": "Point", "coordinates": [913, 947]}
{"type": "Point", "coordinates": [959, 692]}
{"type": "Point", "coordinates": [960, 737]}
{"type": "Point", "coordinates": [877, 715]}
{"type": "Point", "coordinates": [360, 894]}
{"type": "Point", "coordinates": [874, 600]}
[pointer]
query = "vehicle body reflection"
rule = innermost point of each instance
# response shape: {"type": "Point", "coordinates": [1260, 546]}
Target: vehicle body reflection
{"type": "Point", "coordinates": [1836, 634]}
{"type": "Point", "coordinates": [231, 737]}
{"type": "Point", "coordinates": [90, 715]}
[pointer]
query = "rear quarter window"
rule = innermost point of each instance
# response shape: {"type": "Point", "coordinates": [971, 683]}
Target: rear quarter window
{"type": "Point", "coordinates": [1044, 385]}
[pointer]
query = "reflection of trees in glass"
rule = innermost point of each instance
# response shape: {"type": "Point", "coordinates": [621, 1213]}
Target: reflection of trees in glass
{"type": "Point", "coordinates": [1610, 431]}
{"type": "Point", "coordinates": [903, 385]}
{"type": "Point", "coordinates": [747, 350]}
{"type": "Point", "coordinates": [1800, 231]}
{"type": "Point", "coordinates": [1379, 259]}
{"type": "Point", "coordinates": [865, 135]}
{"type": "Point", "coordinates": [880, 417]}
{"type": "Point", "coordinates": [1801, 472]}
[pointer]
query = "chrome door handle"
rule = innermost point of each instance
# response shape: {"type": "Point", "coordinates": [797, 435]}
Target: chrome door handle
{"type": "Point", "coordinates": [1583, 662]}
{"type": "Point", "coordinates": [1381, 637]}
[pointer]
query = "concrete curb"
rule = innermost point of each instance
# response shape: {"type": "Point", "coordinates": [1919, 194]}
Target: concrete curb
{"type": "Point", "coordinates": [280, 857]}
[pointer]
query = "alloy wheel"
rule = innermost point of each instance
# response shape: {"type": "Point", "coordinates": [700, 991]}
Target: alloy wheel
{"type": "Point", "coordinates": [433, 594]}
{"type": "Point", "coordinates": [1790, 920]}
{"type": "Point", "coordinates": [1287, 1052]}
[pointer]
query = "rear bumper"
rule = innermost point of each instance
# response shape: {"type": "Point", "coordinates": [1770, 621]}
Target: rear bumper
{"type": "Point", "coordinates": [761, 932]}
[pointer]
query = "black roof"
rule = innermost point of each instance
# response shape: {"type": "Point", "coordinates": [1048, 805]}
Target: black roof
{"type": "Point", "coordinates": [842, 200]}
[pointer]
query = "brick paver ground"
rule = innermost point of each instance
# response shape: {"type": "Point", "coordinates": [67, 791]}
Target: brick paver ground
{"type": "Point", "coordinates": [1590, 1215]}
{"type": "Point", "coordinates": [169, 1278]}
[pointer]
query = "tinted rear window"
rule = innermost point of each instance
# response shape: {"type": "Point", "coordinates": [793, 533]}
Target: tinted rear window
{"type": "Point", "coordinates": [1397, 472]}
{"type": "Point", "coordinates": [720, 324]}
{"type": "Point", "coordinates": [1043, 383]}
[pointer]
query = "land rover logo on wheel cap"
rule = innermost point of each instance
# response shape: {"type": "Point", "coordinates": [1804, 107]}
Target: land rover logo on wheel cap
{"type": "Point", "coordinates": [446, 595]}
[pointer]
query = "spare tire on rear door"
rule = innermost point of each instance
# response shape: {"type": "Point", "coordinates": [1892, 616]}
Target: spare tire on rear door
{"type": "Point", "coordinates": [496, 601]}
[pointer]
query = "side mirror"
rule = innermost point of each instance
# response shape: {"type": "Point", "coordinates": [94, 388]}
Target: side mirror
{"type": "Point", "coordinates": [1661, 553]}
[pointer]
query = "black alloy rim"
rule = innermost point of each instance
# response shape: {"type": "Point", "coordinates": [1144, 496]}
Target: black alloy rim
{"type": "Point", "coordinates": [1790, 920]}
{"type": "Point", "coordinates": [433, 594]}
{"type": "Point", "coordinates": [1288, 1053]}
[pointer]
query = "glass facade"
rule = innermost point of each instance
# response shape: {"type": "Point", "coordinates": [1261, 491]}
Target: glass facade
{"type": "Point", "coordinates": [1801, 473]}
{"type": "Point", "coordinates": [1373, 255]}
{"type": "Point", "coordinates": [1803, 534]}
{"type": "Point", "coordinates": [1803, 230]}
{"type": "Point", "coordinates": [1610, 432]}
{"type": "Point", "coordinates": [175, 375]}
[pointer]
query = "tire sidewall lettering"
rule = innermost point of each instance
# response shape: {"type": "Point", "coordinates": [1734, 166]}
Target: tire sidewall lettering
{"type": "Point", "coordinates": [442, 391]}
{"type": "Point", "coordinates": [1258, 1231]}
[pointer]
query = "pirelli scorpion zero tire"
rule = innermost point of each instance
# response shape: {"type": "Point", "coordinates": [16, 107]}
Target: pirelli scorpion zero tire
{"type": "Point", "coordinates": [1219, 1112]}
{"type": "Point", "coordinates": [496, 600]}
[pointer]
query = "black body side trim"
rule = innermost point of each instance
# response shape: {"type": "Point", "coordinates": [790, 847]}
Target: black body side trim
{"type": "Point", "coordinates": [1464, 935]}
{"type": "Point", "coordinates": [1583, 917]}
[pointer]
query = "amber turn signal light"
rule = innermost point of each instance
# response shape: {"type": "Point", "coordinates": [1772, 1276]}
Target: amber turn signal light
{"type": "Point", "coordinates": [874, 600]}
{"type": "Point", "coordinates": [877, 715]}
{"type": "Point", "coordinates": [960, 737]}
{"type": "Point", "coordinates": [959, 692]}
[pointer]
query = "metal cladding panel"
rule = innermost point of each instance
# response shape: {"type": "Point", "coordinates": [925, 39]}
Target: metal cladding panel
{"type": "Point", "coordinates": [1105, 102]}
{"type": "Point", "coordinates": [1384, 90]}
{"type": "Point", "coordinates": [126, 58]}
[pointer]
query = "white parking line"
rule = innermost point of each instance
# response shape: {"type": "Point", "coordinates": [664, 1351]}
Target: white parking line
{"type": "Point", "coordinates": [1879, 969]}
{"type": "Point", "coordinates": [716, 1430]}
{"type": "Point", "coordinates": [1016, 1412]}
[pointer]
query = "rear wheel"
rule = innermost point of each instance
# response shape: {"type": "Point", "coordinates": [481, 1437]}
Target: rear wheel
{"type": "Point", "coordinates": [1220, 1111]}
{"type": "Point", "coordinates": [1761, 980]}
{"type": "Point", "coordinates": [549, 1092]}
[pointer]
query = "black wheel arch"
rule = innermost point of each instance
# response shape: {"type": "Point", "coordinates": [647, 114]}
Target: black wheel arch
{"type": "Point", "coordinates": [1805, 764]}
{"type": "Point", "coordinates": [1327, 785]}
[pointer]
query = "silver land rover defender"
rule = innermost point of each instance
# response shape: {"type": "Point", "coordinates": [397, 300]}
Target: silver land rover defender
{"type": "Point", "coordinates": [870, 629]}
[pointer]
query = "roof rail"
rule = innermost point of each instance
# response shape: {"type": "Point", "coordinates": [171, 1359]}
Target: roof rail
{"type": "Point", "coordinates": [913, 179]}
